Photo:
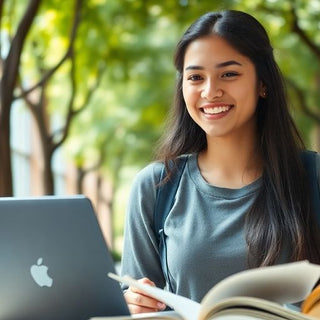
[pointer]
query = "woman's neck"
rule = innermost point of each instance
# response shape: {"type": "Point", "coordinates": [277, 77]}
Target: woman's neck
{"type": "Point", "coordinates": [231, 163]}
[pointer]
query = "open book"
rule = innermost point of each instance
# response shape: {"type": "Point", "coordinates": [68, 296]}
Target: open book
{"type": "Point", "coordinates": [252, 294]}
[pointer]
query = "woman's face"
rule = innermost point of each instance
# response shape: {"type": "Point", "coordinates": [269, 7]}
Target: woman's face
{"type": "Point", "coordinates": [220, 87]}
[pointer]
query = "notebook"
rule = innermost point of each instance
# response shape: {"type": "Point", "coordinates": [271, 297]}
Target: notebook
{"type": "Point", "coordinates": [54, 261]}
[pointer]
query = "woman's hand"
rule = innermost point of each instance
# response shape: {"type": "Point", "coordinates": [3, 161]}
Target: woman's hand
{"type": "Point", "coordinates": [139, 302]}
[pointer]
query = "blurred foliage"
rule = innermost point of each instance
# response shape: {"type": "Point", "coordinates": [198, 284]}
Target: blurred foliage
{"type": "Point", "coordinates": [116, 256]}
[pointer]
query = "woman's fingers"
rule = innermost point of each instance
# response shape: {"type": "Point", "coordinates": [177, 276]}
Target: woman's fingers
{"type": "Point", "coordinates": [139, 302]}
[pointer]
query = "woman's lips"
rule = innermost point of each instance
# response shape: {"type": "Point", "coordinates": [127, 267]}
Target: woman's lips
{"type": "Point", "coordinates": [216, 109]}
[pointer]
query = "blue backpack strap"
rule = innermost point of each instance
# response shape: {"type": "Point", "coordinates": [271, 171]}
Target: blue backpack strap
{"type": "Point", "coordinates": [309, 161]}
{"type": "Point", "coordinates": [164, 201]}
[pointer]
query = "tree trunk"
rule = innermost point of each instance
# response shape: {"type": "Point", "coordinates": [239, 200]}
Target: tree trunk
{"type": "Point", "coordinates": [7, 86]}
{"type": "Point", "coordinates": [6, 188]}
{"type": "Point", "coordinates": [80, 177]}
{"type": "Point", "coordinates": [47, 175]}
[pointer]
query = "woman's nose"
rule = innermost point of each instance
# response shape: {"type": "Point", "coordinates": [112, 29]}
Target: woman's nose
{"type": "Point", "coordinates": [211, 91]}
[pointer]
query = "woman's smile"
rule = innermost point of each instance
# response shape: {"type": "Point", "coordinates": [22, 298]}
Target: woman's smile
{"type": "Point", "coordinates": [216, 110]}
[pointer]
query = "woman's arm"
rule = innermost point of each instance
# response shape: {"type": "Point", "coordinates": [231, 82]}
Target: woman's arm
{"type": "Point", "coordinates": [140, 257]}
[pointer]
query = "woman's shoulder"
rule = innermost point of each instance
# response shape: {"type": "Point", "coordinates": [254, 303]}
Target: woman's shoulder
{"type": "Point", "coordinates": [311, 160]}
{"type": "Point", "coordinates": [150, 174]}
{"type": "Point", "coordinates": [314, 155]}
{"type": "Point", "coordinates": [317, 156]}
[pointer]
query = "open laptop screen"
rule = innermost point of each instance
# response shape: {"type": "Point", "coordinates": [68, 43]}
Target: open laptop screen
{"type": "Point", "coordinates": [54, 261]}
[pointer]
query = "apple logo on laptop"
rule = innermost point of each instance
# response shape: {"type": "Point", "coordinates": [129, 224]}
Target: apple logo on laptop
{"type": "Point", "coordinates": [39, 273]}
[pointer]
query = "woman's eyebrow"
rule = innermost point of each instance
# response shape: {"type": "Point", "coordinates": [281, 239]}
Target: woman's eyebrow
{"type": "Point", "coordinates": [218, 65]}
{"type": "Point", "coordinates": [194, 68]}
{"type": "Point", "coordinates": [228, 63]}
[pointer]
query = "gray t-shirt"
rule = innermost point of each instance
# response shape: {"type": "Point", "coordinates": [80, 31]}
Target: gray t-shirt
{"type": "Point", "coordinates": [205, 231]}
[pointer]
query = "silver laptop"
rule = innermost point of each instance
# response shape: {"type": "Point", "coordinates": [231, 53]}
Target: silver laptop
{"type": "Point", "coordinates": [54, 261]}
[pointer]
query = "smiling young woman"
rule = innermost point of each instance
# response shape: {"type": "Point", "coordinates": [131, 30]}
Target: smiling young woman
{"type": "Point", "coordinates": [244, 197]}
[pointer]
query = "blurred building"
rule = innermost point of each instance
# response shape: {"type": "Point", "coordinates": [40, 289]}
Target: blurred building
{"type": "Point", "coordinates": [27, 167]}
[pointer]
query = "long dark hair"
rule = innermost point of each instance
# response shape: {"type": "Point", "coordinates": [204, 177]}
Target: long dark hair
{"type": "Point", "coordinates": [281, 216]}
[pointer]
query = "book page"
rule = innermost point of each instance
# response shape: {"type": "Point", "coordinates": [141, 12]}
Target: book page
{"type": "Point", "coordinates": [163, 315]}
{"type": "Point", "coordinates": [242, 307]}
{"type": "Point", "coordinates": [188, 309]}
{"type": "Point", "coordinates": [285, 283]}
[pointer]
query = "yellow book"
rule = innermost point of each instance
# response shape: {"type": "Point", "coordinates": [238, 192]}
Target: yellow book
{"type": "Point", "coordinates": [311, 304]}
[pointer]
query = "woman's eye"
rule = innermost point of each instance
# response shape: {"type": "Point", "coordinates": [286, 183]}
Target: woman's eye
{"type": "Point", "coordinates": [230, 74]}
{"type": "Point", "coordinates": [195, 77]}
